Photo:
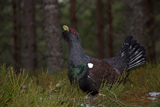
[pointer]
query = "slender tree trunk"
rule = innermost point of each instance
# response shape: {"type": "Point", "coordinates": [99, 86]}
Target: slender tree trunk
{"type": "Point", "coordinates": [73, 18]}
{"type": "Point", "coordinates": [142, 25]}
{"type": "Point", "coordinates": [29, 60]}
{"type": "Point", "coordinates": [150, 31]}
{"type": "Point", "coordinates": [109, 28]}
{"type": "Point", "coordinates": [16, 35]}
{"type": "Point", "coordinates": [138, 21]}
{"type": "Point", "coordinates": [52, 34]}
{"type": "Point", "coordinates": [100, 29]}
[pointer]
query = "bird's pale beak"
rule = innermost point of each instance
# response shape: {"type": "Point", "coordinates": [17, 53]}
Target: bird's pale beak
{"type": "Point", "coordinates": [66, 28]}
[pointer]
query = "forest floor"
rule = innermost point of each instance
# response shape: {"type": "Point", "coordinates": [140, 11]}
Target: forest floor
{"type": "Point", "coordinates": [140, 88]}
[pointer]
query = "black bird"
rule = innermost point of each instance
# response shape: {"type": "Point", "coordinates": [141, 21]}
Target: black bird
{"type": "Point", "coordinates": [89, 72]}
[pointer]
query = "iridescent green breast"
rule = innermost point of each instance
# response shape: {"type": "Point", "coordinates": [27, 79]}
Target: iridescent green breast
{"type": "Point", "coordinates": [76, 72]}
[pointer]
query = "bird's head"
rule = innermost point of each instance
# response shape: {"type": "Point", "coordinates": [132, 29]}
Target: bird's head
{"type": "Point", "coordinates": [70, 35]}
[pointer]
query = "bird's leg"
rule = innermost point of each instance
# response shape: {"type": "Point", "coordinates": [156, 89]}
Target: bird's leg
{"type": "Point", "coordinates": [102, 95]}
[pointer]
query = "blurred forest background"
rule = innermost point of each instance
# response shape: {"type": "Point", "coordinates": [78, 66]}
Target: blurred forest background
{"type": "Point", "coordinates": [30, 30]}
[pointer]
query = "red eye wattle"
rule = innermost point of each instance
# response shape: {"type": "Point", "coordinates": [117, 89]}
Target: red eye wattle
{"type": "Point", "coordinates": [73, 31]}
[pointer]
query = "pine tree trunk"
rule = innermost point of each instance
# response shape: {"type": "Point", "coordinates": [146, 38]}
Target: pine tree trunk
{"type": "Point", "coordinates": [137, 26]}
{"type": "Point", "coordinates": [141, 26]}
{"type": "Point", "coordinates": [29, 60]}
{"type": "Point", "coordinates": [100, 29]}
{"type": "Point", "coordinates": [73, 18]}
{"type": "Point", "coordinates": [16, 35]}
{"type": "Point", "coordinates": [109, 28]}
{"type": "Point", "coordinates": [150, 31]}
{"type": "Point", "coordinates": [52, 35]}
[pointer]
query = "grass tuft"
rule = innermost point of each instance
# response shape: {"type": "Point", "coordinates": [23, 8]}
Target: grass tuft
{"type": "Point", "coordinates": [44, 90]}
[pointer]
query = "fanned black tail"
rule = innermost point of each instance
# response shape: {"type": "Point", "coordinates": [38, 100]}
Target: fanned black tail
{"type": "Point", "coordinates": [131, 53]}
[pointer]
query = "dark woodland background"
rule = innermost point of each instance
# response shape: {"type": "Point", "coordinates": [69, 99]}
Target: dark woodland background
{"type": "Point", "coordinates": [30, 30]}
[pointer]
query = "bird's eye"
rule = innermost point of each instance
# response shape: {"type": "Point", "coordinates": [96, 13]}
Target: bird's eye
{"type": "Point", "coordinates": [73, 31]}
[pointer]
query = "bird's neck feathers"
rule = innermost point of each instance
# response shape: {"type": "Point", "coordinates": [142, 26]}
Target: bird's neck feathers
{"type": "Point", "coordinates": [75, 46]}
{"type": "Point", "coordinates": [76, 54]}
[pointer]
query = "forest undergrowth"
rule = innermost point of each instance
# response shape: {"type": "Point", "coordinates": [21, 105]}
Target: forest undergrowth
{"type": "Point", "coordinates": [43, 90]}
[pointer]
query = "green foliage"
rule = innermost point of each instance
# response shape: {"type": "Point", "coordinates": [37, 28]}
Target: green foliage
{"type": "Point", "coordinates": [44, 90]}
{"type": "Point", "coordinates": [147, 77]}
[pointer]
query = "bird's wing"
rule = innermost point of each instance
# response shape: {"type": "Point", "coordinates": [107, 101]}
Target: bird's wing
{"type": "Point", "coordinates": [102, 72]}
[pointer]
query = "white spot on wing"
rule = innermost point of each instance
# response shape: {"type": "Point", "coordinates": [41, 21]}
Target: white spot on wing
{"type": "Point", "coordinates": [90, 65]}
{"type": "Point", "coordinates": [88, 76]}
